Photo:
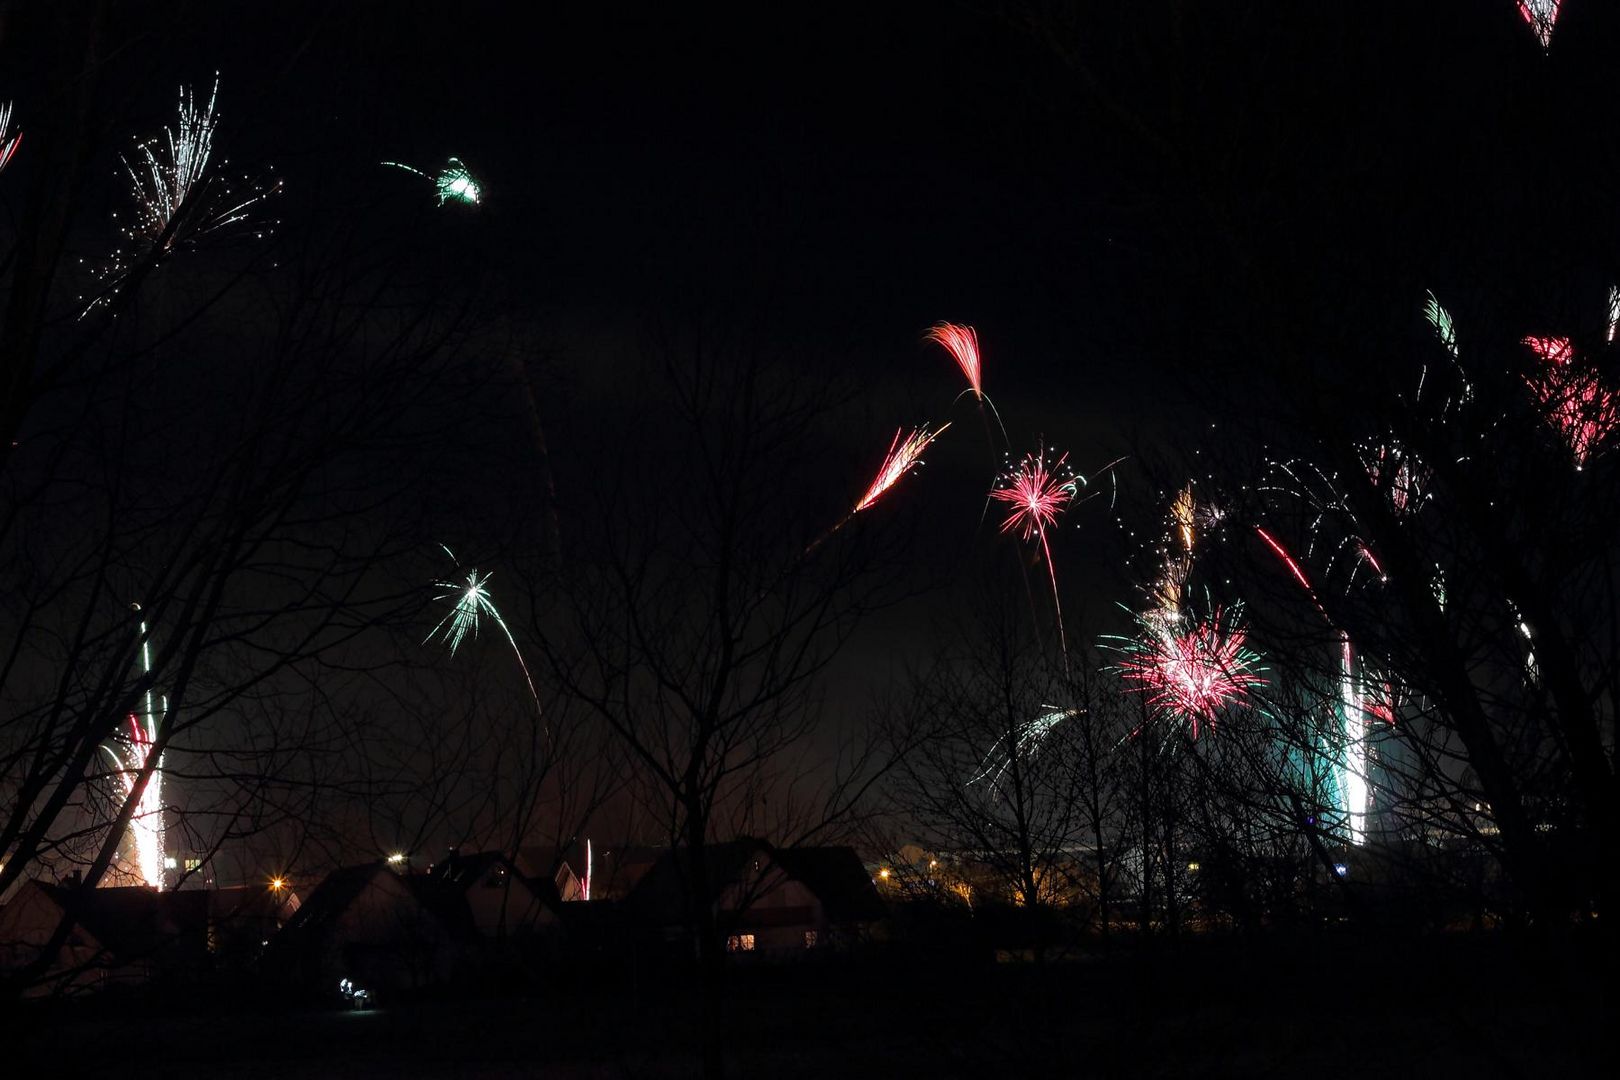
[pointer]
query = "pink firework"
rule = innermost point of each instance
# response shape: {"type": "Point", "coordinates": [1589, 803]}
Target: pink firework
{"type": "Point", "coordinates": [1195, 673]}
{"type": "Point", "coordinates": [1036, 492]}
{"type": "Point", "coordinates": [1541, 15]}
{"type": "Point", "coordinates": [962, 342]}
{"type": "Point", "coordinates": [9, 140]}
{"type": "Point", "coordinates": [903, 456]}
{"type": "Point", "coordinates": [1572, 397]}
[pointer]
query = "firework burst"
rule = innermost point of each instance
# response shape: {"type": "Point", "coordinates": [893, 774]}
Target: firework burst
{"type": "Point", "coordinates": [471, 602]}
{"type": "Point", "coordinates": [1572, 397]}
{"type": "Point", "coordinates": [9, 140]}
{"type": "Point", "coordinates": [1036, 492]}
{"type": "Point", "coordinates": [1192, 672]}
{"type": "Point", "coordinates": [453, 183]}
{"type": "Point", "coordinates": [1541, 15]}
{"type": "Point", "coordinates": [1024, 743]}
{"type": "Point", "coordinates": [178, 202]}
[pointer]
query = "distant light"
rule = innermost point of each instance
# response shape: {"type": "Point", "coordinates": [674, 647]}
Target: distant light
{"type": "Point", "coordinates": [884, 873]}
{"type": "Point", "coordinates": [396, 858]}
{"type": "Point", "coordinates": [1341, 869]}
{"type": "Point", "coordinates": [278, 883]}
{"type": "Point", "coordinates": [1193, 867]}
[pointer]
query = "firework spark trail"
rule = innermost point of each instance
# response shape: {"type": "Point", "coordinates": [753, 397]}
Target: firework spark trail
{"type": "Point", "coordinates": [1353, 780]}
{"type": "Point", "coordinates": [472, 600]}
{"type": "Point", "coordinates": [1572, 397]}
{"type": "Point", "coordinates": [1444, 326]}
{"type": "Point", "coordinates": [1196, 673]}
{"type": "Point", "coordinates": [904, 455]}
{"type": "Point", "coordinates": [962, 343]}
{"type": "Point", "coordinates": [1026, 743]}
{"type": "Point", "coordinates": [1541, 15]}
{"type": "Point", "coordinates": [1614, 310]}
{"type": "Point", "coordinates": [130, 756]}
{"type": "Point", "coordinates": [177, 201]}
{"type": "Point", "coordinates": [9, 140]}
{"type": "Point", "coordinates": [454, 183]}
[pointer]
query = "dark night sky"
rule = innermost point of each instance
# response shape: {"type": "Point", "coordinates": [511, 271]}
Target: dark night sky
{"type": "Point", "coordinates": [851, 173]}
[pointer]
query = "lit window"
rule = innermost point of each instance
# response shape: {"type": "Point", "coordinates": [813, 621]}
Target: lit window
{"type": "Point", "coordinates": [170, 862]}
{"type": "Point", "coordinates": [193, 864]}
{"type": "Point", "coordinates": [809, 939]}
{"type": "Point", "coordinates": [740, 943]}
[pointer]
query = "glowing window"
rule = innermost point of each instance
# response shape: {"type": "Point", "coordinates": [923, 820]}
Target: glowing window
{"type": "Point", "coordinates": [810, 939]}
{"type": "Point", "coordinates": [740, 943]}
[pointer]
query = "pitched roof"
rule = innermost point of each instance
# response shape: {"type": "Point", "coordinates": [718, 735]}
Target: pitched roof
{"type": "Point", "coordinates": [333, 896]}
{"type": "Point", "coordinates": [837, 877]}
{"type": "Point", "coordinates": [834, 874]}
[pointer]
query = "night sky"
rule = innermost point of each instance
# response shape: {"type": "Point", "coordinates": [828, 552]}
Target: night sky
{"type": "Point", "coordinates": [841, 176]}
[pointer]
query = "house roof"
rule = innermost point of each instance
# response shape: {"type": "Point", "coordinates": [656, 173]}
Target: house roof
{"type": "Point", "coordinates": [838, 878]}
{"type": "Point", "coordinates": [834, 874]}
{"type": "Point", "coordinates": [459, 873]}
{"type": "Point", "coordinates": [128, 920]}
{"type": "Point", "coordinates": [333, 896]}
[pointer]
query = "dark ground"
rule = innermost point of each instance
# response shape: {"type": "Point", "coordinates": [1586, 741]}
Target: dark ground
{"type": "Point", "coordinates": [1459, 1008]}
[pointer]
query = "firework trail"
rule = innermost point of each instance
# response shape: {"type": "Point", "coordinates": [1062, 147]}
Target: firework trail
{"type": "Point", "coordinates": [453, 182]}
{"type": "Point", "coordinates": [1572, 397]}
{"type": "Point", "coordinates": [962, 343]}
{"type": "Point", "coordinates": [9, 140]}
{"type": "Point", "coordinates": [1445, 327]}
{"type": "Point", "coordinates": [904, 455]}
{"type": "Point", "coordinates": [1541, 15]}
{"type": "Point", "coordinates": [1194, 672]}
{"type": "Point", "coordinates": [129, 756]}
{"type": "Point", "coordinates": [177, 201]}
{"type": "Point", "coordinates": [1614, 312]}
{"type": "Point", "coordinates": [1025, 743]}
{"type": "Point", "coordinates": [472, 601]}
{"type": "Point", "coordinates": [1353, 710]}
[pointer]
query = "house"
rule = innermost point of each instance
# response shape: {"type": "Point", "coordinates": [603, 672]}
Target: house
{"type": "Point", "coordinates": [386, 930]}
{"type": "Point", "coordinates": [128, 935]}
{"type": "Point", "coordinates": [769, 901]}
{"type": "Point", "coordinates": [501, 902]}
{"type": "Point", "coordinates": [380, 929]}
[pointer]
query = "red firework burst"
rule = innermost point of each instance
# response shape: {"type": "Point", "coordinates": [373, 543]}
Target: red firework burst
{"type": "Point", "coordinates": [1194, 673]}
{"type": "Point", "coordinates": [1572, 397]}
{"type": "Point", "coordinates": [1036, 492]}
